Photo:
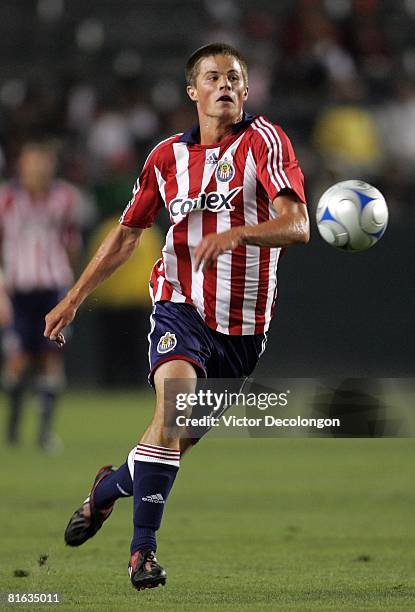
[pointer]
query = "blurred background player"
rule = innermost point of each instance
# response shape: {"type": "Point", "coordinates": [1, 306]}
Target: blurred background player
{"type": "Point", "coordinates": [40, 240]}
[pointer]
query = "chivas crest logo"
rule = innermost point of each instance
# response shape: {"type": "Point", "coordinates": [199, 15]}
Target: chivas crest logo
{"type": "Point", "coordinates": [225, 171]}
{"type": "Point", "coordinates": [166, 343]}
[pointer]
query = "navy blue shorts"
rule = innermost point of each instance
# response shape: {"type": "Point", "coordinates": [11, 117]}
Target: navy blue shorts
{"type": "Point", "coordinates": [26, 333]}
{"type": "Point", "coordinates": [179, 332]}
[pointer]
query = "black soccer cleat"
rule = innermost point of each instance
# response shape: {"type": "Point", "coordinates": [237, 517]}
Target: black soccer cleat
{"type": "Point", "coordinates": [81, 527]}
{"type": "Point", "coordinates": [145, 572]}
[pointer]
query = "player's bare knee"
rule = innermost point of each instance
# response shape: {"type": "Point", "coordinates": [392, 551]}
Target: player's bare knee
{"type": "Point", "coordinates": [175, 370]}
{"type": "Point", "coordinates": [173, 380]}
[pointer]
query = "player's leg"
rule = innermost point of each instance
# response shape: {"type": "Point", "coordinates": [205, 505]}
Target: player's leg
{"type": "Point", "coordinates": [109, 485]}
{"type": "Point", "coordinates": [14, 369]}
{"type": "Point", "coordinates": [17, 357]}
{"type": "Point", "coordinates": [156, 463]}
{"type": "Point", "coordinates": [49, 363]}
{"type": "Point", "coordinates": [177, 333]}
{"type": "Point", "coordinates": [149, 473]}
{"type": "Point", "coordinates": [50, 384]}
{"type": "Point", "coordinates": [119, 483]}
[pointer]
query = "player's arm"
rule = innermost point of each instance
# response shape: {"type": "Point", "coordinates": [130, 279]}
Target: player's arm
{"type": "Point", "coordinates": [114, 250]}
{"type": "Point", "coordinates": [6, 309]}
{"type": "Point", "coordinates": [291, 227]}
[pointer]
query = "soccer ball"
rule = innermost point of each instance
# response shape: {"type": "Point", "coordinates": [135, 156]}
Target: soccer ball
{"type": "Point", "coordinates": [352, 215]}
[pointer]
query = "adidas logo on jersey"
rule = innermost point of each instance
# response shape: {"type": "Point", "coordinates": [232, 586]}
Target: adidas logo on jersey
{"type": "Point", "coordinates": [212, 159]}
{"type": "Point", "coordinates": [213, 201]}
{"type": "Point", "coordinates": [154, 499]}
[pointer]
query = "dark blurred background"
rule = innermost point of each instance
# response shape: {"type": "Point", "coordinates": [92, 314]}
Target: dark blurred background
{"type": "Point", "coordinates": [105, 78]}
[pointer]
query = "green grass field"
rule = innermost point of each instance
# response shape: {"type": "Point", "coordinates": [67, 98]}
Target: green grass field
{"type": "Point", "coordinates": [294, 524]}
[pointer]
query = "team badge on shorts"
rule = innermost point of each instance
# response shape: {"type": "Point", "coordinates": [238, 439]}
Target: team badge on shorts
{"type": "Point", "coordinates": [225, 171]}
{"type": "Point", "coordinates": [166, 343]}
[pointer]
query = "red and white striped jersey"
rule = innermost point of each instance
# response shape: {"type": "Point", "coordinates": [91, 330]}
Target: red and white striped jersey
{"type": "Point", "coordinates": [212, 188]}
{"type": "Point", "coordinates": [36, 234]}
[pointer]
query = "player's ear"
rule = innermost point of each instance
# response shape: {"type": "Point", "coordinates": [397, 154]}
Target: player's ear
{"type": "Point", "coordinates": [192, 93]}
{"type": "Point", "coordinates": [246, 93]}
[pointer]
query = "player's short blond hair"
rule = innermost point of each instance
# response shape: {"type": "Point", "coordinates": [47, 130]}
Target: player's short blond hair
{"type": "Point", "coordinates": [193, 63]}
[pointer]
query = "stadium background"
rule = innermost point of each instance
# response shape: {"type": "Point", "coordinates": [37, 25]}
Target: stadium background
{"type": "Point", "coordinates": [105, 78]}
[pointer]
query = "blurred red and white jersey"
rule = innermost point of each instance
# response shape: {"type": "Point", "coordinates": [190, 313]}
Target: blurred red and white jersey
{"type": "Point", "coordinates": [36, 235]}
{"type": "Point", "coordinates": [212, 188]}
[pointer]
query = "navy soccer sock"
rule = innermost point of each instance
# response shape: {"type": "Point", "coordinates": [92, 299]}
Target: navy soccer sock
{"type": "Point", "coordinates": [112, 487]}
{"type": "Point", "coordinates": [155, 470]}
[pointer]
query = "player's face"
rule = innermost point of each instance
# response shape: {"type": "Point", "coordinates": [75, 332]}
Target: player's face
{"type": "Point", "coordinates": [220, 90]}
{"type": "Point", "coordinates": [36, 168]}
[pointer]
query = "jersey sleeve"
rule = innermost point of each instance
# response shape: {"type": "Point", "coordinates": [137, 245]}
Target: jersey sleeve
{"type": "Point", "coordinates": [277, 165]}
{"type": "Point", "coordinates": [146, 200]}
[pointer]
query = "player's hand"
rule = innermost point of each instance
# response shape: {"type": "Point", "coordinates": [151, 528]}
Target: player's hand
{"type": "Point", "coordinates": [57, 319]}
{"type": "Point", "coordinates": [6, 310]}
{"type": "Point", "coordinates": [213, 245]}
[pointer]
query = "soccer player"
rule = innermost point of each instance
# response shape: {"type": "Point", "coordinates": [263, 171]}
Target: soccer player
{"type": "Point", "coordinates": [39, 237]}
{"type": "Point", "coordinates": [234, 193]}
